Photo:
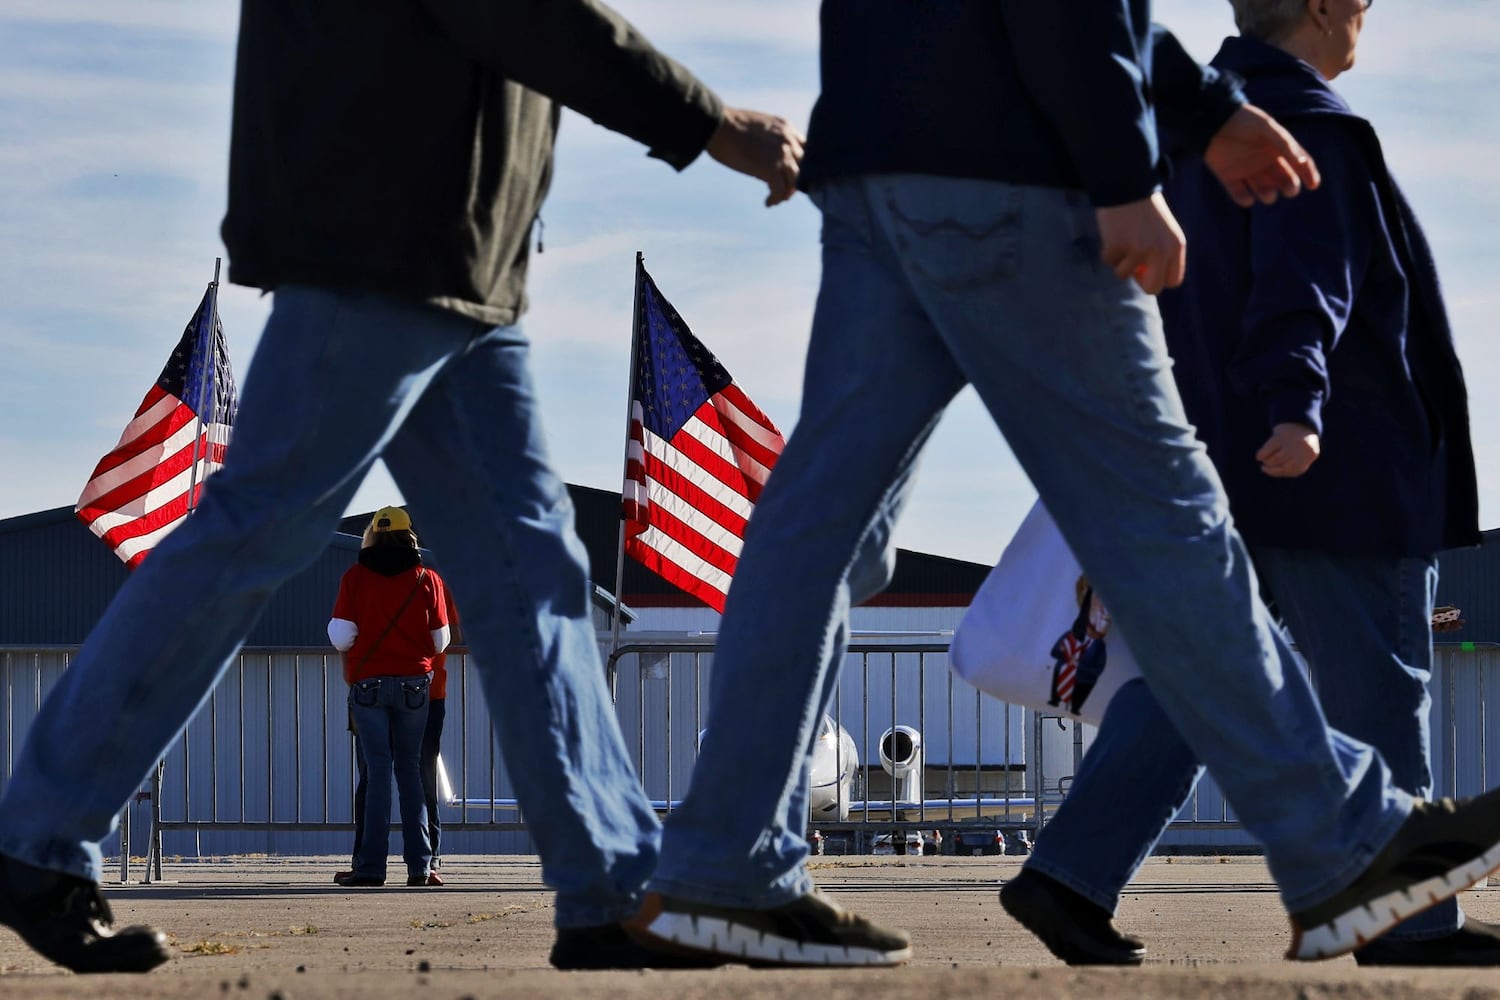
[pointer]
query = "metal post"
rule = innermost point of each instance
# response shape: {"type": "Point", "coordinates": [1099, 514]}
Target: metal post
{"type": "Point", "coordinates": [125, 845]}
{"type": "Point", "coordinates": [153, 856]}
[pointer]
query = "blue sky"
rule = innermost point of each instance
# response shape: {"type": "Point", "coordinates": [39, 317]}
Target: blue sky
{"type": "Point", "coordinates": [115, 121]}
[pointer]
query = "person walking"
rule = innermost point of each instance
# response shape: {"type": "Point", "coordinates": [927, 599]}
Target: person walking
{"type": "Point", "coordinates": [1313, 355]}
{"type": "Point", "coordinates": [989, 178]}
{"type": "Point", "coordinates": [390, 621]}
{"type": "Point", "coordinates": [388, 159]}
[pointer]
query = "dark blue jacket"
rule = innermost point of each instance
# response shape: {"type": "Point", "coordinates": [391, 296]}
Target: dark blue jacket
{"type": "Point", "coordinates": [1062, 95]}
{"type": "Point", "coordinates": [1324, 310]}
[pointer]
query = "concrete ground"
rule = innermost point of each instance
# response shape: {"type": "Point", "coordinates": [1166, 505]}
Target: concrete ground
{"type": "Point", "coordinates": [278, 929]}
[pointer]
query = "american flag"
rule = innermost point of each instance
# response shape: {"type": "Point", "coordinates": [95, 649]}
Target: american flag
{"type": "Point", "coordinates": [698, 456]}
{"type": "Point", "coordinates": [148, 483]}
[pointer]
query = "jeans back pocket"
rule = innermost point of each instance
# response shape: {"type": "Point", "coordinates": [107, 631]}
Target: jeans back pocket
{"type": "Point", "coordinates": [414, 691]}
{"type": "Point", "coordinates": [958, 234]}
{"type": "Point", "coordinates": [366, 693]}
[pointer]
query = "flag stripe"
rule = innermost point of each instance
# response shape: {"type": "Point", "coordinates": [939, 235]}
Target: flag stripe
{"type": "Point", "coordinates": [669, 554]}
{"type": "Point", "coordinates": [708, 449]}
{"type": "Point", "coordinates": [672, 467]}
{"type": "Point", "coordinates": [681, 520]}
{"type": "Point", "coordinates": [155, 465]}
{"type": "Point", "coordinates": [153, 442]}
{"type": "Point", "coordinates": [140, 514]}
{"type": "Point", "coordinates": [129, 495]}
{"type": "Point", "coordinates": [694, 507]}
{"type": "Point", "coordinates": [748, 429]}
{"type": "Point", "coordinates": [749, 470]}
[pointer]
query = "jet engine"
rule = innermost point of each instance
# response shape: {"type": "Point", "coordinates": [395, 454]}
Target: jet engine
{"type": "Point", "coordinates": [901, 756]}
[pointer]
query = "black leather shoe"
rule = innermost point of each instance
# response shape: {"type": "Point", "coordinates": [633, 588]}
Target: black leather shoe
{"type": "Point", "coordinates": [1073, 928]}
{"type": "Point", "coordinates": [1476, 943]}
{"type": "Point", "coordinates": [349, 880]}
{"type": "Point", "coordinates": [66, 919]}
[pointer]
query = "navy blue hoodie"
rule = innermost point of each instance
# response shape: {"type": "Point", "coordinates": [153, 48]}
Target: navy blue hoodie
{"type": "Point", "coordinates": [1323, 310]}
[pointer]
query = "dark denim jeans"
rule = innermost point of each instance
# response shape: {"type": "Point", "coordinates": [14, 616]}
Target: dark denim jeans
{"type": "Point", "coordinates": [390, 715]}
{"type": "Point", "coordinates": [432, 740]}
{"type": "Point", "coordinates": [1363, 624]}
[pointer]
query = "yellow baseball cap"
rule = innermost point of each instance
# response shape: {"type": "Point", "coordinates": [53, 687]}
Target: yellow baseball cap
{"type": "Point", "coordinates": [390, 519]}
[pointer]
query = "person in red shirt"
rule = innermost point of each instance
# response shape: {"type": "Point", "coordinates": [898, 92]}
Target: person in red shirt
{"type": "Point", "coordinates": [390, 621]}
{"type": "Point", "coordinates": [432, 738]}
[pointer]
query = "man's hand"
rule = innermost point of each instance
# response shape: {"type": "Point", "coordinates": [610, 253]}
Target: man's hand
{"type": "Point", "coordinates": [1142, 241]}
{"type": "Point", "coordinates": [762, 146]}
{"type": "Point", "coordinates": [1289, 452]}
{"type": "Point", "coordinates": [1256, 159]}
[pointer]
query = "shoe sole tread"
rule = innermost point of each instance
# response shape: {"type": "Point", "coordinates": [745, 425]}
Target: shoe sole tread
{"type": "Point", "coordinates": [1365, 923]}
{"type": "Point", "coordinates": [719, 936]}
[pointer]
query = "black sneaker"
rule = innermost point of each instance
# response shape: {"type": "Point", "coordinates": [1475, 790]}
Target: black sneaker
{"type": "Point", "coordinates": [810, 930]}
{"type": "Point", "coordinates": [1073, 928]}
{"type": "Point", "coordinates": [609, 947]}
{"type": "Point", "coordinates": [66, 919]}
{"type": "Point", "coordinates": [1443, 848]}
{"type": "Point", "coordinates": [1475, 944]}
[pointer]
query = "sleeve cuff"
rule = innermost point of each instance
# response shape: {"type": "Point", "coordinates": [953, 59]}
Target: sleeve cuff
{"type": "Point", "coordinates": [342, 633]}
{"type": "Point", "coordinates": [695, 122]}
{"type": "Point", "coordinates": [1292, 407]}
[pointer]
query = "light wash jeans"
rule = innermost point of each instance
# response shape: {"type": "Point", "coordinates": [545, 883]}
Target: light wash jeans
{"type": "Point", "coordinates": [390, 714]}
{"type": "Point", "coordinates": [1363, 623]}
{"type": "Point", "coordinates": [930, 284]}
{"type": "Point", "coordinates": [339, 380]}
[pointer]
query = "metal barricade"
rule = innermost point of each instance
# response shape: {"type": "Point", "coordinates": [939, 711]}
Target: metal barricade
{"type": "Point", "coordinates": [270, 752]}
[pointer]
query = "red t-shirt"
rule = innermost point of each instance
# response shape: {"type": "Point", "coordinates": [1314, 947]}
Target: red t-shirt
{"type": "Point", "coordinates": [371, 600]}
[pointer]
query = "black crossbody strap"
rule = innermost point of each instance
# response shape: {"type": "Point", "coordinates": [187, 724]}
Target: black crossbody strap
{"type": "Point", "coordinates": [386, 631]}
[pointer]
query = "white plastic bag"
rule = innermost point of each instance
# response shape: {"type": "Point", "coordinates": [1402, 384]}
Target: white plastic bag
{"type": "Point", "coordinates": [1037, 635]}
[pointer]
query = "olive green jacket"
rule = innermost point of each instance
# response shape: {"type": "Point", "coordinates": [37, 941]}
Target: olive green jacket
{"type": "Point", "coordinates": [405, 146]}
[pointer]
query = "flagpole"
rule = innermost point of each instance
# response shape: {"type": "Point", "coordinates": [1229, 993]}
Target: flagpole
{"type": "Point", "coordinates": [635, 338]}
{"type": "Point", "coordinates": [204, 349]}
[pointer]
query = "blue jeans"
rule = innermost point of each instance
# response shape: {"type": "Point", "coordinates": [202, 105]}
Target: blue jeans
{"type": "Point", "coordinates": [1363, 624]}
{"type": "Point", "coordinates": [432, 744]}
{"type": "Point", "coordinates": [931, 284]}
{"type": "Point", "coordinates": [340, 380]}
{"type": "Point", "coordinates": [390, 714]}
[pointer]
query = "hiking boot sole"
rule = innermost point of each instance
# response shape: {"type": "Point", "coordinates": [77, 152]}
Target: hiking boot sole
{"type": "Point", "coordinates": [1364, 924]}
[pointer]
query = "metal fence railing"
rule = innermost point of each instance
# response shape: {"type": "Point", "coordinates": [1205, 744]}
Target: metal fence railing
{"type": "Point", "coordinates": [270, 750]}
